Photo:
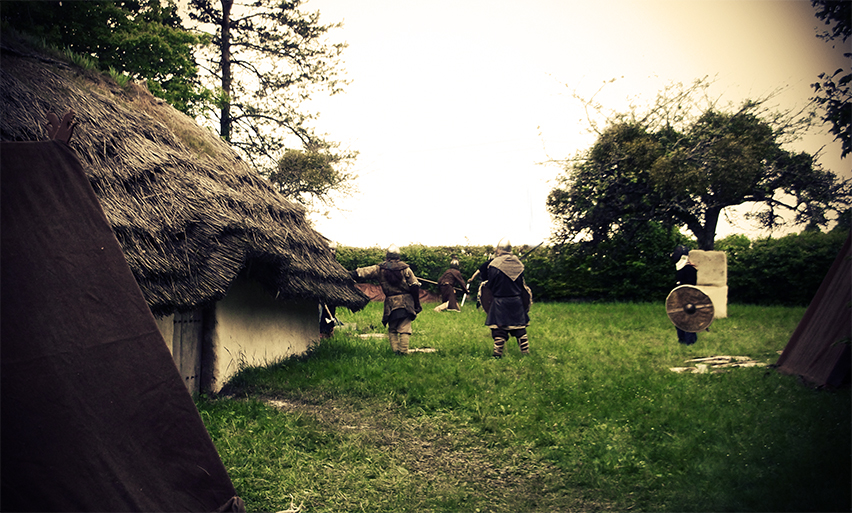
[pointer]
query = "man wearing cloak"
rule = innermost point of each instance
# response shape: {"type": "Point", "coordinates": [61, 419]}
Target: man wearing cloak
{"type": "Point", "coordinates": [510, 303]}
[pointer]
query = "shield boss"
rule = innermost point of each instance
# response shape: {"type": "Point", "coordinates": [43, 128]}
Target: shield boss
{"type": "Point", "coordinates": [689, 309]}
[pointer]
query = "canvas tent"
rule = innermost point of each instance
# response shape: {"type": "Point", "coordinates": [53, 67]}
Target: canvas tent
{"type": "Point", "coordinates": [231, 270]}
{"type": "Point", "coordinates": [819, 349]}
{"type": "Point", "coordinates": [95, 416]}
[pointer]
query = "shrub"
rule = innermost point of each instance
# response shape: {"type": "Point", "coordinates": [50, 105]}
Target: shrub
{"type": "Point", "coordinates": [784, 271]}
{"type": "Point", "coordinates": [787, 270]}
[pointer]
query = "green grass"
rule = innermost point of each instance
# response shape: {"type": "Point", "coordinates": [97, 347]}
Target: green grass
{"type": "Point", "coordinates": [592, 420]}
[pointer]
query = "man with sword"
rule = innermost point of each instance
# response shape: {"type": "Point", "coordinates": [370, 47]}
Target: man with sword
{"type": "Point", "coordinates": [402, 296]}
{"type": "Point", "coordinates": [446, 284]}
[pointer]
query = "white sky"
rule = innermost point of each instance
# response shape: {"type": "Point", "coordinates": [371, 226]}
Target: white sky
{"type": "Point", "coordinates": [455, 103]}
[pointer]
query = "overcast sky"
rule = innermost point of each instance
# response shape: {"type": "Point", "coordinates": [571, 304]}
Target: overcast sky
{"type": "Point", "coordinates": [456, 105]}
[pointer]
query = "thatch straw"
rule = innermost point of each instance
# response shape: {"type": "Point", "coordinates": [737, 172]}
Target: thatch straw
{"type": "Point", "coordinates": [188, 213]}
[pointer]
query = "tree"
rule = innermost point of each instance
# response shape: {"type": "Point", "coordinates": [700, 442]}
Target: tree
{"type": "Point", "coordinates": [141, 38]}
{"type": "Point", "coordinates": [608, 190]}
{"type": "Point", "coordinates": [684, 170]}
{"type": "Point", "coordinates": [269, 58]}
{"type": "Point", "coordinates": [305, 175]}
{"type": "Point", "coordinates": [834, 91]}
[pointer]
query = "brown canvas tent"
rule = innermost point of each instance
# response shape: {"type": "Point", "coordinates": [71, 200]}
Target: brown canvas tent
{"type": "Point", "coordinates": [819, 349]}
{"type": "Point", "coordinates": [95, 416]}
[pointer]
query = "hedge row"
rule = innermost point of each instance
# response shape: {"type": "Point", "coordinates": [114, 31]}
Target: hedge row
{"type": "Point", "coordinates": [786, 270]}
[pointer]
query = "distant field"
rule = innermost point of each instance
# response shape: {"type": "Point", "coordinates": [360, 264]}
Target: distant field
{"type": "Point", "coordinates": [593, 420]}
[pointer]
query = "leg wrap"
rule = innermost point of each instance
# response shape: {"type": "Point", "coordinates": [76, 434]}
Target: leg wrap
{"type": "Point", "coordinates": [394, 340]}
{"type": "Point", "coordinates": [523, 341]}
{"type": "Point", "coordinates": [500, 337]}
{"type": "Point", "coordinates": [402, 347]}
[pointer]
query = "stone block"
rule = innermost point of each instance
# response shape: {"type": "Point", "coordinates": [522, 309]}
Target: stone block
{"type": "Point", "coordinates": [712, 267]}
{"type": "Point", "coordinates": [719, 296]}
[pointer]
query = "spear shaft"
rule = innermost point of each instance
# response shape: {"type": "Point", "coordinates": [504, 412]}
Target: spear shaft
{"type": "Point", "coordinates": [432, 282]}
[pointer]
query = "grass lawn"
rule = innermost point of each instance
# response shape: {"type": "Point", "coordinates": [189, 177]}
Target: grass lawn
{"type": "Point", "coordinates": [593, 420]}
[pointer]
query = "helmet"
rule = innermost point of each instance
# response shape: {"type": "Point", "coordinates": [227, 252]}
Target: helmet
{"type": "Point", "coordinates": [454, 263]}
{"type": "Point", "coordinates": [679, 252]}
{"type": "Point", "coordinates": [503, 247]}
{"type": "Point", "coordinates": [392, 252]}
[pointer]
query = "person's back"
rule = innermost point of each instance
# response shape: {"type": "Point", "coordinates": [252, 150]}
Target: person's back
{"type": "Point", "coordinates": [508, 314]}
{"type": "Point", "coordinates": [501, 284]}
{"type": "Point", "coordinates": [402, 296]}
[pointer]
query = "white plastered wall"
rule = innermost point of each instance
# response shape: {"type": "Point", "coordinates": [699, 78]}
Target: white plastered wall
{"type": "Point", "coordinates": [252, 328]}
{"type": "Point", "coordinates": [713, 278]}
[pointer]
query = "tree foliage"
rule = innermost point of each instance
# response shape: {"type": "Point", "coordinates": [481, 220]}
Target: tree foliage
{"type": "Point", "coordinates": [609, 191]}
{"type": "Point", "coordinates": [683, 170]}
{"type": "Point", "coordinates": [833, 93]}
{"type": "Point", "coordinates": [634, 267]}
{"type": "Point", "coordinates": [141, 38]}
{"type": "Point", "coordinates": [305, 175]}
{"type": "Point", "coordinates": [269, 57]}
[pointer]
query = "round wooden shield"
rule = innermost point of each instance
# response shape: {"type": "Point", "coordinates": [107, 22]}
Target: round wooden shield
{"type": "Point", "coordinates": [689, 309]}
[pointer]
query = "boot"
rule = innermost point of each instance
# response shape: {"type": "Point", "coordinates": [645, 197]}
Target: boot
{"type": "Point", "coordinates": [403, 343]}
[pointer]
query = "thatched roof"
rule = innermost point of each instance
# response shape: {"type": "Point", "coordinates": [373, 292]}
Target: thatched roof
{"type": "Point", "coordinates": [188, 213]}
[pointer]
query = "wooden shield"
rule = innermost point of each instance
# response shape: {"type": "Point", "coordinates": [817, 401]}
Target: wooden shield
{"type": "Point", "coordinates": [689, 309]}
{"type": "Point", "coordinates": [485, 296]}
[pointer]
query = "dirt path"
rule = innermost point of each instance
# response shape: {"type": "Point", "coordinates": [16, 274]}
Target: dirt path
{"type": "Point", "coordinates": [448, 458]}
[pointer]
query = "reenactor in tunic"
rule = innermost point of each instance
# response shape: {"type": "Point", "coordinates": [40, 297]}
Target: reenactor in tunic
{"type": "Point", "coordinates": [508, 314]}
{"type": "Point", "coordinates": [446, 284]}
{"type": "Point", "coordinates": [402, 296]}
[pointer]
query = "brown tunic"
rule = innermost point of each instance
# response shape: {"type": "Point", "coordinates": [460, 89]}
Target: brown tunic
{"type": "Point", "coordinates": [397, 295]}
